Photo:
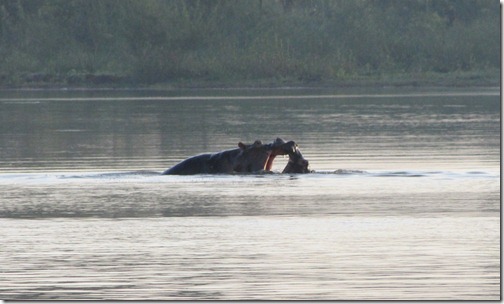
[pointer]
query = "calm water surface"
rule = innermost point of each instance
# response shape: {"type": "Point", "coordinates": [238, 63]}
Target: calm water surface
{"type": "Point", "coordinates": [404, 202]}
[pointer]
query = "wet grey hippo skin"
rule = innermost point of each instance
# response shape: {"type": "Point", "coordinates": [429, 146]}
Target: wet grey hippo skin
{"type": "Point", "coordinates": [255, 157]}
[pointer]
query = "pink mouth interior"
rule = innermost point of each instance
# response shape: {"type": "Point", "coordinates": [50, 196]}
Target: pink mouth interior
{"type": "Point", "coordinates": [269, 162]}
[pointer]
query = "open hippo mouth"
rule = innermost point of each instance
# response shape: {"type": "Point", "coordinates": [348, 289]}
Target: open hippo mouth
{"type": "Point", "coordinates": [258, 157]}
{"type": "Point", "coordinates": [269, 162]}
{"type": "Point", "coordinates": [278, 147]}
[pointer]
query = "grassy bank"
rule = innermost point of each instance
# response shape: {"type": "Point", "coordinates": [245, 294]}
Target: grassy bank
{"type": "Point", "coordinates": [228, 43]}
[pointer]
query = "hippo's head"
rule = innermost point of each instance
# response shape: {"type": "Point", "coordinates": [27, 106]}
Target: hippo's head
{"type": "Point", "coordinates": [297, 163]}
{"type": "Point", "coordinates": [259, 157]}
{"type": "Point", "coordinates": [278, 147]}
{"type": "Point", "coordinates": [252, 158]}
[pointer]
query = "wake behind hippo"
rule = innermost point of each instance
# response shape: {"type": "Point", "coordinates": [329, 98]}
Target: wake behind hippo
{"type": "Point", "coordinates": [251, 158]}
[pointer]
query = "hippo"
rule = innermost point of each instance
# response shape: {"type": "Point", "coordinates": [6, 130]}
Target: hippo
{"type": "Point", "coordinates": [255, 157]}
{"type": "Point", "coordinates": [297, 163]}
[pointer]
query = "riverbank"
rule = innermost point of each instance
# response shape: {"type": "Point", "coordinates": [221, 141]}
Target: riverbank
{"type": "Point", "coordinates": [487, 78]}
{"type": "Point", "coordinates": [236, 44]}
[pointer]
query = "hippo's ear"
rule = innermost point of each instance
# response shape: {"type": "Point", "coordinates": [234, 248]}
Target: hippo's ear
{"type": "Point", "coordinates": [242, 145]}
{"type": "Point", "coordinates": [258, 143]}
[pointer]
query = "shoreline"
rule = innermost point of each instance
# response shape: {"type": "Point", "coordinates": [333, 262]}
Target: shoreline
{"type": "Point", "coordinates": [113, 82]}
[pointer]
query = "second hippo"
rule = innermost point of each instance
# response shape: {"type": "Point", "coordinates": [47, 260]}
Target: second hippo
{"type": "Point", "coordinates": [297, 163]}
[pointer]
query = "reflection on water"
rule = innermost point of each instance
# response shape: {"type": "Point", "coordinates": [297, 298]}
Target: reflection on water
{"type": "Point", "coordinates": [357, 133]}
{"type": "Point", "coordinates": [404, 202]}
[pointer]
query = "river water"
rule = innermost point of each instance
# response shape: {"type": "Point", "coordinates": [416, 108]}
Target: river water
{"type": "Point", "coordinates": [404, 202]}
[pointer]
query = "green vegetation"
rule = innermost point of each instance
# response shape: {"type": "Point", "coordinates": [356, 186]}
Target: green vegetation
{"type": "Point", "coordinates": [231, 42]}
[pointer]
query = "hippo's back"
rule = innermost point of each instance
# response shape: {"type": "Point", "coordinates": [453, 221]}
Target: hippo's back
{"type": "Point", "coordinates": [193, 165]}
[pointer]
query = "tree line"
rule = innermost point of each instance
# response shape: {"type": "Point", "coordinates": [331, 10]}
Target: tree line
{"type": "Point", "coordinates": [156, 41]}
